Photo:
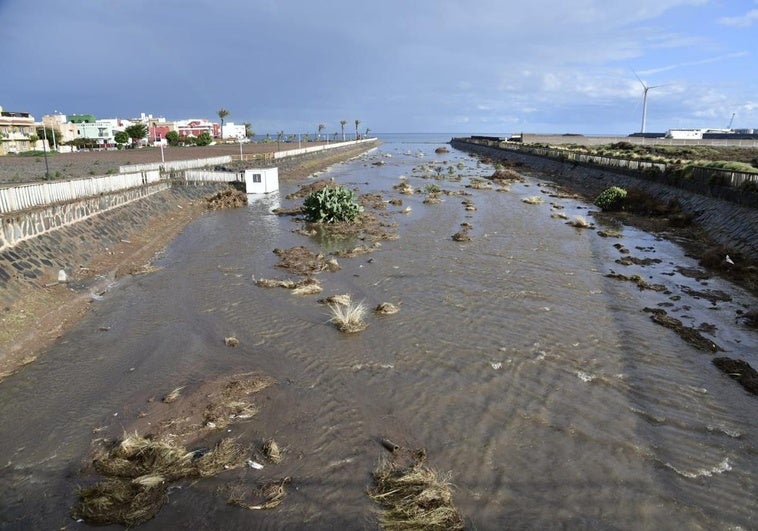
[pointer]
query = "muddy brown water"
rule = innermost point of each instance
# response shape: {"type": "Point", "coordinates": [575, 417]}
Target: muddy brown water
{"type": "Point", "coordinates": [537, 381]}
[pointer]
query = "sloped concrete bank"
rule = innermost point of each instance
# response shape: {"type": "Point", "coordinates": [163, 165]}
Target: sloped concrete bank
{"type": "Point", "coordinates": [726, 223]}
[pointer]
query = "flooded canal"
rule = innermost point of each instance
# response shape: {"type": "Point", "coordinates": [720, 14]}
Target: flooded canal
{"type": "Point", "coordinates": [525, 371]}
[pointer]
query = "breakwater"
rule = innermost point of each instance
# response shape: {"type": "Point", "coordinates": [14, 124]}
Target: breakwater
{"type": "Point", "coordinates": [727, 223]}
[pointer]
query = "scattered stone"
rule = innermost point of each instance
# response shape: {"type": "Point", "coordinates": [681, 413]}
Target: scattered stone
{"type": "Point", "coordinates": [690, 335]}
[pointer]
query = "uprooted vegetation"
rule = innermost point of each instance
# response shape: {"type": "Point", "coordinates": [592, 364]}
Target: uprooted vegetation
{"type": "Point", "coordinates": [348, 316]}
{"type": "Point", "coordinates": [412, 495]}
{"type": "Point", "coordinates": [226, 198]}
{"type": "Point", "coordinates": [180, 442]}
{"type": "Point", "coordinates": [302, 261]}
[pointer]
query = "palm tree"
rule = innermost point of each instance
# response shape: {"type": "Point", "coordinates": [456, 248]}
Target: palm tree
{"type": "Point", "coordinates": [222, 113]}
{"type": "Point", "coordinates": [357, 123]}
{"type": "Point", "coordinates": [342, 124]}
{"type": "Point", "coordinates": [249, 133]}
{"type": "Point", "coordinates": [367, 130]}
{"type": "Point", "coordinates": [321, 127]}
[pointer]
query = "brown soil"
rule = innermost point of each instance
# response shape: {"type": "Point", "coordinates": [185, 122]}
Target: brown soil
{"type": "Point", "coordinates": [15, 169]}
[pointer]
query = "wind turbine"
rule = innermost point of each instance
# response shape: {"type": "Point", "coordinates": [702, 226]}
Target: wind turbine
{"type": "Point", "coordinates": [644, 99]}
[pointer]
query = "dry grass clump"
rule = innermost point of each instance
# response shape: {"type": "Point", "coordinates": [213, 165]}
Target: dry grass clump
{"type": "Point", "coordinates": [309, 286]}
{"type": "Point", "coordinates": [432, 199]}
{"type": "Point", "coordinates": [404, 188]}
{"type": "Point", "coordinates": [343, 299]}
{"type": "Point", "coordinates": [533, 200]}
{"type": "Point", "coordinates": [173, 395]}
{"type": "Point", "coordinates": [358, 250]}
{"type": "Point", "coordinates": [580, 223]}
{"type": "Point", "coordinates": [138, 472]}
{"type": "Point", "coordinates": [462, 235]}
{"type": "Point", "coordinates": [349, 318]}
{"type": "Point", "coordinates": [231, 341]}
{"type": "Point", "coordinates": [386, 308]}
{"type": "Point", "coordinates": [227, 198]}
{"type": "Point", "coordinates": [479, 184]}
{"type": "Point", "coordinates": [272, 451]}
{"type": "Point", "coordinates": [506, 175]}
{"type": "Point", "coordinates": [264, 497]}
{"type": "Point", "coordinates": [414, 496]}
{"type": "Point", "coordinates": [306, 286]}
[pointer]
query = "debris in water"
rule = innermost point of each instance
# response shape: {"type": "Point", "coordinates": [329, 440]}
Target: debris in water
{"type": "Point", "coordinates": [412, 495]}
{"type": "Point", "coordinates": [231, 341]}
{"type": "Point", "coordinates": [173, 395]}
{"type": "Point", "coordinates": [266, 496]}
{"type": "Point", "coordinates": [386, 308]}
{"type": "Point", "coordinates": [741, 371]}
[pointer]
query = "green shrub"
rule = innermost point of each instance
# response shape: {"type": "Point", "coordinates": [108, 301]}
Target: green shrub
{"type": "Point", "coordinates": [611, 198]}
{"type": "Point", "coordinates": [330, 204]}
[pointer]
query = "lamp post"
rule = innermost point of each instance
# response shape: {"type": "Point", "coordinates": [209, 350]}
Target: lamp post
{"type": "Point", "coordinates": [44, 150]}
{"type": "Point", "coordinates": [240, 139]}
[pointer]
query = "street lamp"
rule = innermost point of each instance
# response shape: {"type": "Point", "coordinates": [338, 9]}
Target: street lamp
{"type": "Point", "coordinates": [44, 150]}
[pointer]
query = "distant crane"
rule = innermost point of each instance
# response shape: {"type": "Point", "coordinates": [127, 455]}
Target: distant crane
{"type": "Point", "coordinates": [644, 98]}
{"type": "Point", "coordinates": [731, 121]}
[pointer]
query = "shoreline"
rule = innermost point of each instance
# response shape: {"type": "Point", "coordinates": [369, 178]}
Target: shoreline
{"type": "Point", "coordinates": [40, 314]}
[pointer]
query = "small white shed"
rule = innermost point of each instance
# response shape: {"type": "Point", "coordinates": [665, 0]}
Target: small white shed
{"type": "Point", "coordinates": [262, 181]}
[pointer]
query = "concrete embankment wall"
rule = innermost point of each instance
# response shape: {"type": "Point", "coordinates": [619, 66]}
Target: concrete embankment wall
{"type": "Point", "coordinates": [35, 262]}
{"type": "Point", "coordinates": [727, 223]}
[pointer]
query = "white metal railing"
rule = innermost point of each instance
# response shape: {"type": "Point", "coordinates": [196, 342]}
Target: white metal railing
{"type": "Point", "coordinates": [212, 176]}
{"type": "Point", "coordinates": [25, 196]}
{"type": "Point", "coordinates": [176, 165]}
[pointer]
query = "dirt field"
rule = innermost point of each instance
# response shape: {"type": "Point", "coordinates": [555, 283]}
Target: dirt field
{"type": "Point", "coordinates": [22, 169]}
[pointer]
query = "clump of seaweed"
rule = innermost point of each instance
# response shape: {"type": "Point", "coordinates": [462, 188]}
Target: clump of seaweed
{"type": "Point", "coordinates": [349, 318]}
{"type": "Point", "coordinates": [412, 495]}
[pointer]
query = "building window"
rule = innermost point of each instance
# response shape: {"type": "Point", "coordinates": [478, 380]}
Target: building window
{"type": "Point", "coordinates": [256, 177]}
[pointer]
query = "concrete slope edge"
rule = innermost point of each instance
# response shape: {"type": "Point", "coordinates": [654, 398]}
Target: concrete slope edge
{"type": "Point", "coordinates": [728, 224]}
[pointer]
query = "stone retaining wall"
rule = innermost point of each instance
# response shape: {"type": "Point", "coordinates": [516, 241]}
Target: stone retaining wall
{"type": "Point", "coordinates": [727, 223]}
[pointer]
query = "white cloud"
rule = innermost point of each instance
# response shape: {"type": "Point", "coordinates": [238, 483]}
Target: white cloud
{"type": "Point", "coordinates": [744, 21]}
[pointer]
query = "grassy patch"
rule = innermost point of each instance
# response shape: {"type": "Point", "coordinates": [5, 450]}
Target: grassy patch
{"type": "Point", "coordinates": [412, 495]}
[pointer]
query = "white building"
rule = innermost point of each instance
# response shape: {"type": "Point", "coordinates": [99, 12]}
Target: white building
{"type": "Point", "coordinates": [262, 181]}
{"type": "Point", "coordinates": [231, 130]}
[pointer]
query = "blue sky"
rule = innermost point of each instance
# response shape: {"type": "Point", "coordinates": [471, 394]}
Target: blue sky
{"type": "Point", "coordinates": [479, 66]}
